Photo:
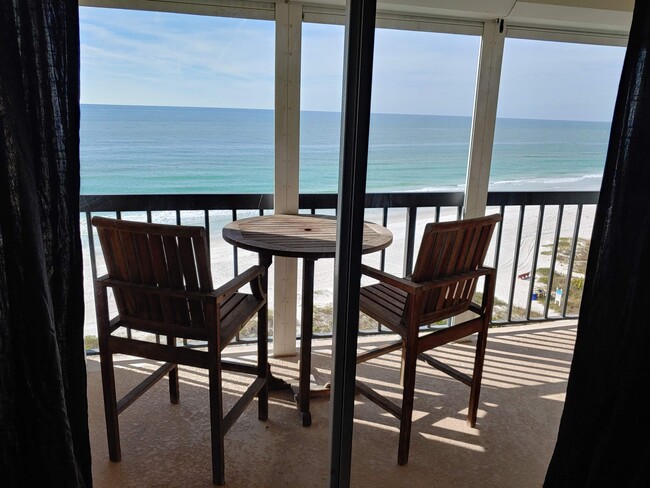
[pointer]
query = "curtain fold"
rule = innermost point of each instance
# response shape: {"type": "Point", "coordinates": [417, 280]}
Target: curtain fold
{"type": "Point", "coordinates": [603, 435]}
{"type": "Point", "coordinates": [43, 407]}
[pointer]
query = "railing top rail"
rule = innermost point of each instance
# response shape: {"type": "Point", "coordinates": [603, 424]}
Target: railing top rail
{"type": "Point", "coordinates": [154, 202]}
{"type": "Point", "coordinates": [542, 198]}
{"type": "Point", "coordinates": [264, 201]}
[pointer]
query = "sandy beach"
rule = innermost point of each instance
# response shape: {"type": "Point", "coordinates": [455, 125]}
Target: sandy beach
{"type": "Point", "coordinates": [223, 269]}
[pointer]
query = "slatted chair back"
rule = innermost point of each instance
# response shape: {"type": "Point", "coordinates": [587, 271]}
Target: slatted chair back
{"type": "Point", "coordinates": [451, 251]}
{"type": "Point", "coordinates": [157, 256]}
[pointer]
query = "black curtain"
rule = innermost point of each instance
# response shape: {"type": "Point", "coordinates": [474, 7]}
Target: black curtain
{"type": "Point", "coordinates": [604, 432]}
{"type": "Point", "coordinates": [43, 407]}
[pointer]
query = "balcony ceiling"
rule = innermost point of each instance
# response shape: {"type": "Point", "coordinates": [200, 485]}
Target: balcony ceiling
{"type": "Point", "coordinates": [606, 16]}
{"type": "Point", "coordinates": [593, 15]}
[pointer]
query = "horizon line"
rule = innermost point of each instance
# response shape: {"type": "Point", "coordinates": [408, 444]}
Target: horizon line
{"type": "Point", "coordinates": [333, 112]}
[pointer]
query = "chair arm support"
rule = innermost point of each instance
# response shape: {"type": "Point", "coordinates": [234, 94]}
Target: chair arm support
{"type": "Point", "coordinates": [488, 292]}
{"type": "Point", "coordinates": [100, 280]}
{"type": "Point", "coordinates": [489, 288]}
{"type": "Point", "coordinates": [242, 279]}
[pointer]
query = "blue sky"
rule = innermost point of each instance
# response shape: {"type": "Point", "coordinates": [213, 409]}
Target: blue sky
{"type": "Point", "coordinates": [152, 58]}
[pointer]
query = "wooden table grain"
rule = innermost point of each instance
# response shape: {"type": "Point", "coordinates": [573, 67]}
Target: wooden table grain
{"type": "Point", "coordinates": [309, 237]}
{"type": "Point", "coordinates": [298, 236]}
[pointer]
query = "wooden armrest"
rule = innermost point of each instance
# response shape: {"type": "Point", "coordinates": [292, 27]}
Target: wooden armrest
{"type": "Point", "coordinates": [238, 281]}
{"type": "Point", "coordinates": [412, 287]}
{"type": "Point", "coordinates": [401, 283]}
{"type": "Point", "coordinates": [450, 280]}
{"type": "Point", "coordinates": [220, 293]}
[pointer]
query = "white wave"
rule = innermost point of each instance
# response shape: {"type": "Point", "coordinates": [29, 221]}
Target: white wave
{"type": "Point", "coordinates": [433, 189]}
{"type": "Point", "coordinates": [569, 182]}
{"type": "Point", "coordinates": [589, 182]}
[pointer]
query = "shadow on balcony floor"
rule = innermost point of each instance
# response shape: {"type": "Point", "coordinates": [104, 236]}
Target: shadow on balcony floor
{"type": "Point", "coordinates": [526, 370]}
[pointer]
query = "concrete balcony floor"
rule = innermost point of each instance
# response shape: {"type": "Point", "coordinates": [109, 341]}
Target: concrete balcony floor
{"type": "Point", "coordinates": [524, 384]}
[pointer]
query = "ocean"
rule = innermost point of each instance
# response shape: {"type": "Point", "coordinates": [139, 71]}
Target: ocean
{"type": "Point", "coordinates": [144, 150]}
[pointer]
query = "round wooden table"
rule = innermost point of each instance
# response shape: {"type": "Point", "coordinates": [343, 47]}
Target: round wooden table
{"type": "Point", "coordinates": [309, 237]}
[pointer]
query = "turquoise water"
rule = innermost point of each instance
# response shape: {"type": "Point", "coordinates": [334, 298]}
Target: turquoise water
{"type": "Point", "coordinates": [142, 150]}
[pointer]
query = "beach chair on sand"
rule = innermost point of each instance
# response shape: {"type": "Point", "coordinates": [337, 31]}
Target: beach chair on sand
{"type": "Point", "coordinates": [162, 284]}
{"type": "Point", "coordinates": [448, 267]}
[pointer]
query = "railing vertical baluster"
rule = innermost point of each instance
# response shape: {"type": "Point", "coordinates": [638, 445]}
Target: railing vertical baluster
{"type": "Point", "coordinates": [118, 215]}
{"type": "Point", "coordinates": [551, 272]}
{"type": "Point", "coordinates": [206, 219]}
{"type": "Point", "coordinates": [459, 214]}
{"type": "Point", "coordinates": [515, 260]}
{"type": "Point", "coordinates": [235, 259]}
{"type": "Point", "coordinates": [538, 239]}
{"type": "Point", "coordinates": [149, 220]}
{"type": "Point", "coordinates": [384, 222]}
{"type": "Point", "coordinates": [382, 259]}
{"type": "Point", "coordinates": [409, 242]}
{"type": "Point", "coordinates": [572, 256]}
{"type": "Point", "coordinates": [178, 222]}
{"type": "Point", "coordinates": [497, 246]}
{"type": "Point", "coordinates": [502, 211]}
{"type": "Point", "coordinates": [206, 216]}
{"type": "Point", "coordinates": [91, 246]}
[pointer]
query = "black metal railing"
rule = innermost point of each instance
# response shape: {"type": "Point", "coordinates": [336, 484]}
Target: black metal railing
{"type": "Point", "coordinates": [522, 242]}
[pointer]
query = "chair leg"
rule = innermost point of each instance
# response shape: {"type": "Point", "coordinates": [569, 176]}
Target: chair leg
{"type": "Point", "coordinates": [216, 424]}
{"type": "Point", "coordinates": [110, 406]}
{"type": "Point", "coordinates": [477, 377]}
{"type": "Point", "coordinates": [174, 391]}
{"type": "Point", "coordinates": [108, 375]}
{"type": "Point", "coordinates": [263, 362]}
{"type": "Point", "coordinates": [408, 373]}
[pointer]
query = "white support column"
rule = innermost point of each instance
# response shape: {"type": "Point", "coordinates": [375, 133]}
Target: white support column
{"type": "Point", "coordinates": [288, 30]}
{"type": "Point", "coordinates": [483, 124]}
{"type": "Point", "coordinates": [484, 119]}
